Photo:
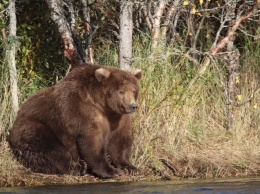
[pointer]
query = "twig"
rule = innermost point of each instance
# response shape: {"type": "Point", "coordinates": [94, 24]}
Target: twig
{"type": "Point", "coordinates": [1, 12]}
{"type": "Point", "coordinates": [170, 166]}
{"type": "Point", "coordinates": [160, 173]}
{"type": "Point", "coordinates": [212, 10]}
{"type": "Point", "coordinates": [222, 25]}
{"type": "Point", "coordinates": [248, 100]}
{"type": "Point", "coordinates": [195, 61]}
{"type": "Point", "coordinates": [199, 28]}
{"type": "Point", "coordinates": [232, 30]}
{"type": "Point", "coordinates": [247, 34]}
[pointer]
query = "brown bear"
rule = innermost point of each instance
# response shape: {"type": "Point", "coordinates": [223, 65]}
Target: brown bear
{"type": "Point", "coordinates": [78, 122]}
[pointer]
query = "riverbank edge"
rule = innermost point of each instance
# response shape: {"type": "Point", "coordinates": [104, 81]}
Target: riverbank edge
{"type": "Point", "coordinates": [24, 178]}
{"type": "Point", "coordinates": [37, 179]}
{"type": "Point", "coordinates": [14, 174]}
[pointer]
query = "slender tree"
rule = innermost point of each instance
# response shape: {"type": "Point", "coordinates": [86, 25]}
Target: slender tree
{"type": "Point", "coordinates": [126, 31]}
{"type": "Point", "coordinates": [10, 55]}
{"type": "Point", "coordinates": [232, 59]}
{"type": "Point", "coordinates": [89, 51]}
{"type": "Point", "coordinates": [156, 30]}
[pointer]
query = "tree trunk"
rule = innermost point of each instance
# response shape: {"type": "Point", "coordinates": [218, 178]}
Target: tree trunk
{"type": "Point", "coordinates": [58, 16]}
{"type": "Point", "coordinates": [147, 15]}
{"type": "Point", "coordinates": [126, 30]}
{"type": "Point", "coordinates": [232, 60]}
{"type": "Point", "coordinates": [10, 52]}
{"type": "Point", "coordinates": [233, 71]}
{"type": "Point", "coordinates": [89, 51]}
{"type": "Point", "coordinates": [170, 14]}
{"type": "Point", "coordinates": [156, 31]}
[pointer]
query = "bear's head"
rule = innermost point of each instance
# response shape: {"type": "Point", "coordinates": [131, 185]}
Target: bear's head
{"type": "Point", "coordinates": [121, 88]}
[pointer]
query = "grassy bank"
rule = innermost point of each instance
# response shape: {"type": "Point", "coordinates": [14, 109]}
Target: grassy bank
{"type": "Point", "coordinates": [175, 137]}
{"type": "Point", "coordinates": [188, 137]}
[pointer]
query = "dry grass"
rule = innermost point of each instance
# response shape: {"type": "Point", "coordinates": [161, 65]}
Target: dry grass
{"type": "Point", "coordinates": [189, 138]}
{"type": "Point", "coordinates": [174, 138]}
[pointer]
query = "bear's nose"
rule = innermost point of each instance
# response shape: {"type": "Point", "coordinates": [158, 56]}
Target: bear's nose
{"type": "Point", "coordinates": [133, 107]}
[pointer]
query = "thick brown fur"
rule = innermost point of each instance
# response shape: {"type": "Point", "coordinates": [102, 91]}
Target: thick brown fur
{"type": "Point", "coordinates": [77, 122]}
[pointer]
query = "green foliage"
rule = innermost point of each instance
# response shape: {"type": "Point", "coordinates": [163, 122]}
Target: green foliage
{"type": "Point", "coordinates": [3, 26]}
{"type": "Point", "coordinates": [40, 53]}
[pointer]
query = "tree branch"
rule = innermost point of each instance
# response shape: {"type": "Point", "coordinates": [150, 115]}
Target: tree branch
{"type": "Point", "coordinates": [199, 28]}
{"type": "Point", "coordinates": [220, 46]}
{"type": "Point", "coordinates": [232, 30]}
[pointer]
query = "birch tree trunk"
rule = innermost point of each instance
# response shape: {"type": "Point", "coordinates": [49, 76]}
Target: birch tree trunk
{"type": "Point", "coordinates": [89, 51]}
{"type": "Point", "coordinates": [58, 16]}
{"type": "Point", "coordinates": [126, 31]}
{"type": "Point", "coordinates": [232, 60]}
{"type": "Point", "coordinates": [156, 31]}
{"type": "Point", "coordinates": [10, 54]}
{"type": "Point", "coordinates": [165, 26]}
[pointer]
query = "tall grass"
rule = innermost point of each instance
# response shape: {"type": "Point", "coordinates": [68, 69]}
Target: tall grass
{"type": "Point", "coordinates": [11, 171]}
{"type": "Point", "coordinates": [175, 136]}
{"type": "Point", "coordinates": [7, 164]}
{"type": "Point", "coordinates": [190, 136]}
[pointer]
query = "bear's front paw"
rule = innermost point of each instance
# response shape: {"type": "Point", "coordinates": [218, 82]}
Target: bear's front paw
{"type": "Point", "coordinates": [132, 170]}
{"type": "Point", "coordinates": [109, 173]}
{"type": "Point", "coordinates": [118, 172]}
{"type": "Point", "coordinates": [78, 168]}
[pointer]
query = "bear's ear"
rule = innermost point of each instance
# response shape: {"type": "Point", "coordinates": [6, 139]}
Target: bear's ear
{"type": "Point", "coordinates": [137, 73]}
{"type": "Point", "coordinates": [102, 74]}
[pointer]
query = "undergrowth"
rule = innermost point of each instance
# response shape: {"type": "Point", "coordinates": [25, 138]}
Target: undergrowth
{"type": "Point", "coordinates": [189, 137]}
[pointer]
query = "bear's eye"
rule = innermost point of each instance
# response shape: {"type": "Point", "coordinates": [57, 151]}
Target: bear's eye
{"type": "Point", "coordinates": [121, 92]}
{"type": "Point", "coordinates": [134, 91]}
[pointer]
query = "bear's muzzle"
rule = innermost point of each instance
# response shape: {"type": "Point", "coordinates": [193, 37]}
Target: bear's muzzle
{"type": "Point", "coordinates": [133, 107]}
